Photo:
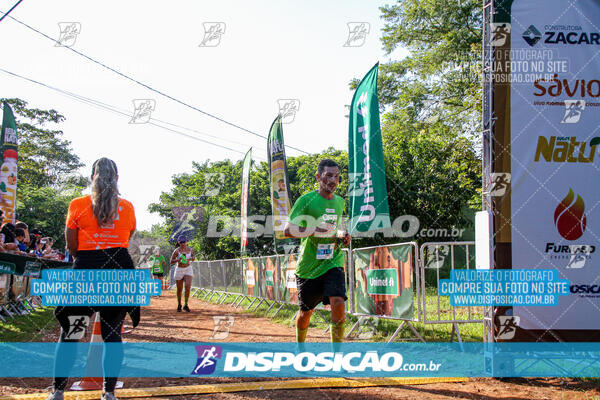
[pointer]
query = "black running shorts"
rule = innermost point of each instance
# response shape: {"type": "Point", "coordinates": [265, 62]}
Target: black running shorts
{"type": "Point", "coordinates": [313, 291]}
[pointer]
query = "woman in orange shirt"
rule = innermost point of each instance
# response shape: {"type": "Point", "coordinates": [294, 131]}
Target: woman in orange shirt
{"type": "Point", "coordinates": [97, 232]}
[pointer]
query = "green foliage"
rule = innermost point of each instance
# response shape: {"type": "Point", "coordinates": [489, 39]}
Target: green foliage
{"type": "Point", "coordinates": [191, 190]}
{"type": "Point", "coordinates": [431, 175]}
{"type": "Point", "coordinates": [46, 208]}
{"type": "Point", "coordinates": [45, 158]}
{"type": "Point", "coordinates": [46, 181]}
{"type": "Point", "coordinates": [29, 328]}
{"type": "Point", "coordinates": [440, 78]}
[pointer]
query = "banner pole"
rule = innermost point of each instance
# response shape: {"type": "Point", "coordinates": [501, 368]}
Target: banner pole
{"type": "Point", "coordinates": [351, 277]}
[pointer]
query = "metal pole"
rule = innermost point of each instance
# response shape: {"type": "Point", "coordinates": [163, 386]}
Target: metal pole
{"type": "Point", "coordinates": [351, 277]}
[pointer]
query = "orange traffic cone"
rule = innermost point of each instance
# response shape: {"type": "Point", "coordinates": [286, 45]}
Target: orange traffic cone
{"type": "Point", "coordinates": [94, 356]}
{"type": "Point", "coordinates": [165, 283]}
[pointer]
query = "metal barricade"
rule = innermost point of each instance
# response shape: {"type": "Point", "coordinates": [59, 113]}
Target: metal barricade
{"type": "Point", "coordinates": [409, 295]}
{"type": "Point", "coordinates": [204, 282]}
{"type": "Point", "coordinates": [437, 260]}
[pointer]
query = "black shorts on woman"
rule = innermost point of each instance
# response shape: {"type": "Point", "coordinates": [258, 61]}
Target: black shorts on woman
{"type": "Point", "coordinates": [113, 258]}
{"type": "Point", "coordinates": [111, 317]}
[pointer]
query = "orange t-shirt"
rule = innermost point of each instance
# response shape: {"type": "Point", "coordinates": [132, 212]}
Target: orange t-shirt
{"type": "Point", "coordinates": [90, 236]}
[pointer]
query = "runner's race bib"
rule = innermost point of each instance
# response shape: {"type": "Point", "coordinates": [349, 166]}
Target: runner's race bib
{"type": "Point", "coordinates": [325, 251]}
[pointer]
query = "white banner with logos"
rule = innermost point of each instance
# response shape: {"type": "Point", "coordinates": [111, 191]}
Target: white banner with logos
{"type": "Point", "coordinates": [555, 165]}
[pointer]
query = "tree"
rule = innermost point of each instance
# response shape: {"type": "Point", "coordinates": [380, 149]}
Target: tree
{"type": "Point", "coordinates": [45, 208]}
{"type": "Point", "coordinates": [45, 158]}
{"type": "Point", "coordinates": [190, 190]}
{"type": "Point", "coordinates": [439, 81]}
{"type": "Point", "coordinates": [431, 175]}
{"type": "Point", "coordinates": [46, 181]}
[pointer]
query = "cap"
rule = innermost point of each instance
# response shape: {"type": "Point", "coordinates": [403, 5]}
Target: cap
{"type": "Point", "coordinates": [10, 153]}
{"type": "Point", "coordinates": [181, 238]}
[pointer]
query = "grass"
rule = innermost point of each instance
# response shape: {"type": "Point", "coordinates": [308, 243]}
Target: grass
{"type": "Point", "coordinates": [28, 328]}
{"type": "Point", "coordinates": [470, 332]}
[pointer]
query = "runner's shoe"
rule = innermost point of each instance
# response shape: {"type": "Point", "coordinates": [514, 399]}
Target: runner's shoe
{"type": "Point", "coordinates": [179, 308]}
{"type": "Point", "coordinates": [108, 396]}
{"type": "Point", "coordinates": [56, 395]}
{"type": "Point", "coordinates": [186, 308]}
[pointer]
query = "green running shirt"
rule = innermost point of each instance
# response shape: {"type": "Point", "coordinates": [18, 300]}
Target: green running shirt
{"type": "Point", "coordinates": [318, 254]}
{"type": "Point", "coordinates": [157, 264]}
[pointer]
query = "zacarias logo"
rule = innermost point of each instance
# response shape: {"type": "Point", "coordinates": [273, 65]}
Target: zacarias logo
{"type": "Point", "coordinates": [569, 217]}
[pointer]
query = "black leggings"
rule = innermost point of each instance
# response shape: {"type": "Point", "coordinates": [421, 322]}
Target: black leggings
{"type": "Point", "coordinates": [111, 318]}
{"type": "Point", "coordinates": [110, 325]}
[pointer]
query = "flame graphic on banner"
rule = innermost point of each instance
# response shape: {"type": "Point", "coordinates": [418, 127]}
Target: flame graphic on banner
{"type": "Point", "coordinates": [569, 217]}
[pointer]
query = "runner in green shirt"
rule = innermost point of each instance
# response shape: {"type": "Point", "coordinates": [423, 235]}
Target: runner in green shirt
{"type": "Point", "coordinates": [316, 219]}
{"type": "Point", "coordinates": [157, 262]}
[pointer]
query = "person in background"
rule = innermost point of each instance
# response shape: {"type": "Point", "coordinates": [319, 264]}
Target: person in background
{"type": "Point", "coordinates": [157, 263]}
{"type": "Point", "coordinates": [183, 272]}
{"type": "Point", "coordinates": [37, 250]}
{"type": "Point", "coordinates": [20, 236]}
{"type": "Point", "coordinates": [7, 236]}
{"type": "Point", "coordinates": [25, 228]}
{"type": "Point", "coordinates": [48, 252]}
{"type": "Point", "coordinates": [34, 239]}
{"type": "Point", "coordinates": [68, 256]}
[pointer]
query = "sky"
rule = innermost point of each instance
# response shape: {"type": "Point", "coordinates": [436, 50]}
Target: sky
{"type": "Point", "coordinates": [268, 52]}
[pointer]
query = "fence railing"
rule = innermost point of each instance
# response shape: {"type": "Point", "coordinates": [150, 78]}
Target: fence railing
{"type": "Point", "coordinates": [437, 260]}
{"type": "Point", "coordinates": [16, 273]}
{"type": "Point", "coordinates": [397, 281]}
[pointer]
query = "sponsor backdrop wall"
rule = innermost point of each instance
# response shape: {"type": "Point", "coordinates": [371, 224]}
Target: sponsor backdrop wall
{"type": "Point", "coordinates": [554, 131]}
